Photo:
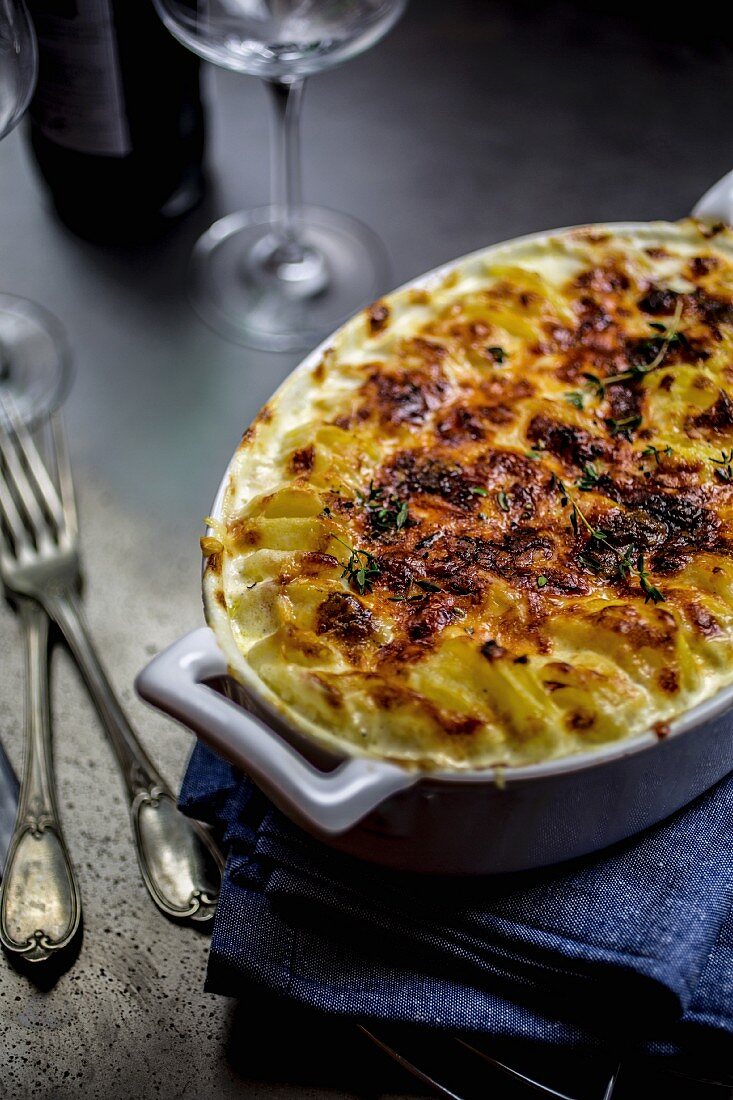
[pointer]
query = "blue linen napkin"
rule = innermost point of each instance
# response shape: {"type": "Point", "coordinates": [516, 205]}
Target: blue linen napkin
{"type": "Point", "coordinates": [631, 949]}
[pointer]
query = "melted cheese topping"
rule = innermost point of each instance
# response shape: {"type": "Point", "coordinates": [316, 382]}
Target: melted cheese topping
{"type": "Point", "coordinates": [491, 525]}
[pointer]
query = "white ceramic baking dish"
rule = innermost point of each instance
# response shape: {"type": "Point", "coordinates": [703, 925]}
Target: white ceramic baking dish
{"type": "Point", "coordinates": [452, 822]}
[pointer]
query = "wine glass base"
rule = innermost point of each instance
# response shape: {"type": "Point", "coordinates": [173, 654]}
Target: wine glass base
{"type": "Point", "coordinates": [243, 298]}
{"type": "Point", "coordinates": [35, 370]}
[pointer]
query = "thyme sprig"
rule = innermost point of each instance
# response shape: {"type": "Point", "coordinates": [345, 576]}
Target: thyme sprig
{"type": "Point", "coordinates": [669, 336]}
{"type": "Point", "coordinates": [361, 567]}
{"type": "Point", "coordinates": [623, 427]}
{"type": "Point", "coordinates": [724, 464]}
{"type": "Point", "coordinates": [650, 590]}
{"type": "Point", "coordinates": [626, 565]}
{"type": "Point", "coordinates": [386, 513]}
{"type": "Point", "coordinates": [427, 588]}
{"type": "Point", "coordinates": [589, 479]}
{"type": "Point", "coordinates": [654, 452]}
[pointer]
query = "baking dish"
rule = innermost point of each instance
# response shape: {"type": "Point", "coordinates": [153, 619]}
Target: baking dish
{"type": "Point", "coordinates": [470, 822]}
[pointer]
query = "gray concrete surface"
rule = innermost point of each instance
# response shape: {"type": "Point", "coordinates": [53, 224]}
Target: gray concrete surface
{"type": "Point", "coordinates": [473, 122]}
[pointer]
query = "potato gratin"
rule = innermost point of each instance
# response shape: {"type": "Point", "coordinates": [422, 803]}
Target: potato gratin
{"type": "Point", "coordinates": [491, 525]}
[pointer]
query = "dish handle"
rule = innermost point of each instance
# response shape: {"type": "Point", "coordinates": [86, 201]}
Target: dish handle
{"type": "Point", "coordinates": [716, 205]}
{"type": "Point", "coordinates": [329, 802]}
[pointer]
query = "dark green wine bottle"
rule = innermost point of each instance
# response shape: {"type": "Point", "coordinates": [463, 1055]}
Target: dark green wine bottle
{"type": "Point", "coordinates": [117, 122]}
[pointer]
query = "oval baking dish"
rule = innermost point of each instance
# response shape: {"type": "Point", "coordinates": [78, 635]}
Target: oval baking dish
{"type": "Point", "coordinates": [443, 819]}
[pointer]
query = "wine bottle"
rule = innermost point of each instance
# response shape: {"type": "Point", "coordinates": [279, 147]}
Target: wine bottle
{"type": "Point", "coordinates": [117, 123]}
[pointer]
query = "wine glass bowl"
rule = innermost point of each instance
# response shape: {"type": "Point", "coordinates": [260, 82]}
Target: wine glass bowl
{"type": "Point", "coordinates": [18, 63]}
{"type": "Point", "coordinates": [280, 277]}
{"type": "Point", "coordinates": [290, 39]}
{"type": "Point", "coordinates": [34, 360]}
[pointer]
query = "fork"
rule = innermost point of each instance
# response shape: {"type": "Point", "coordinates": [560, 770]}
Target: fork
{"type": "Point", "coordinates": [459, 1069]}
{"type": "Point", "coordinates": [179, 862]}
{"type": "Point", "coordinates": [40, 902]}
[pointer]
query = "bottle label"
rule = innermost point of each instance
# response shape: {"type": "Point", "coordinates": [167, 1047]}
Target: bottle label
{"type": "Point", "coordinates": [79, 102]}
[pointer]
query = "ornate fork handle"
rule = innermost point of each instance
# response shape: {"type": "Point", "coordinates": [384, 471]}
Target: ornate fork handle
{"type": "Point", "coordinates": [179, 862]}
{"type": "Point", "coordinates": [40, 903]}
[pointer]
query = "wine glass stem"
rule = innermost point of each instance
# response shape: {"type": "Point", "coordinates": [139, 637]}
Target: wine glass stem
{"type": "Point", "coordinates": [287, 97]}
{"type": "Point", "coordinates": [4, 361]}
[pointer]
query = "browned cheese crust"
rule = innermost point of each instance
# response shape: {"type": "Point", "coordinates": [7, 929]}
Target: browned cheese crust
{"type": "Point", "coordinates": [509, 500]}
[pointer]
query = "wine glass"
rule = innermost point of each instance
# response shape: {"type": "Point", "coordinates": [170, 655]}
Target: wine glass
{"type": "Point", "coordinates": [34, 361]}
{"type": "Point", "coordinates": [280, 277]}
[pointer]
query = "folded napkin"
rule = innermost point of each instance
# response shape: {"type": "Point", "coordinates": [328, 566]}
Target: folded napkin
{"type": "Point", "coordinates": [631, 950]}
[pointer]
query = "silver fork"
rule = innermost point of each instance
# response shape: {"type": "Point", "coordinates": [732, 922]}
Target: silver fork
{"type": "Point", "coordinates": [451, 1067]}
{"type": "Point", "coordinates": [180, 864]}
{"type": "Point", "coordinates": [457, 1069]}
{"type": "Point", "coordinates": [40, 902]}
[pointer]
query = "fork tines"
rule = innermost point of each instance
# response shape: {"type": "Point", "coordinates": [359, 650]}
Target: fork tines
{"type": "Point", "coordinates": [35, 513]}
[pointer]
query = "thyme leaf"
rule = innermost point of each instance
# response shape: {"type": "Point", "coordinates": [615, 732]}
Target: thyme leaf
{"type": "Point", "coordinates": [595, 384]}
{"type": "Point", "coordinates": [361, 567]}
{"type": "Point", "coordinates": [655, 452]}
{"type": "Point", "coordinates": [503, 501]}
{"type": "Point", "coordinates": [428, 586]}
{"type": "Point", "coordinates": [385, 513]}
{"type": "Point", "coordinates": [656, 347]}
{"type": "Point", "coordinates": [623, 427]}
{"type": "Point", "coordinates": [650, 590]}
{"type": "Point", "coordinates": [590, 561]}
{"type": "Point", "coordinates": [497, 353]}
{"type": "Point", "coordinates": [625, 563]}
{"type": "Point", "coordinates": [589, 478]}
{"type": "Point", "coordinates": [575, 398]}
{"type": "Point", "coordinates": [624, 559]}
{"type": "Point", "coordinates": [725, 469]}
